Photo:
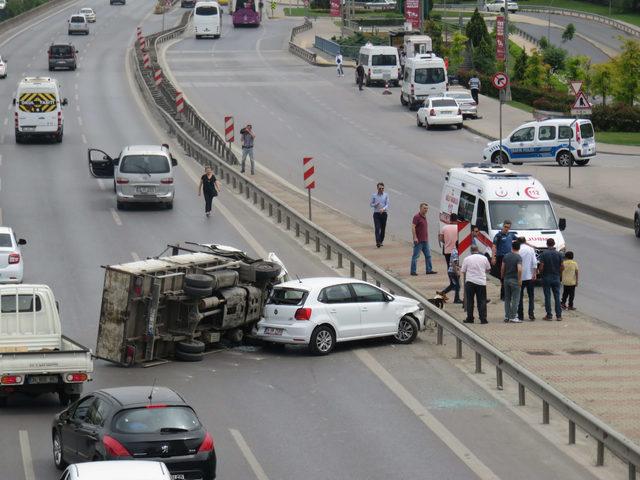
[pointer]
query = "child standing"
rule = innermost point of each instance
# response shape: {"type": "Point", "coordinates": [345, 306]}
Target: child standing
{"type": "Point", "coordinates": [569, 280]}
{"type": "Point", "coordinates": [454, 275]}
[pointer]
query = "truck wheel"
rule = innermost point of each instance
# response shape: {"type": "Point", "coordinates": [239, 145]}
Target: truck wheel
{"type": "Point", "coordinates": [196, 292]}
{"type": "Point", "coordinates": [266, 270]}
{"type": "Point", "coordinates": [323, 339]}
{"type": "Point", "coordinates": [235, 335]}
{"type": "Point", "coordinates": [194, 346]}
{"type": "Point", "coordinates": [188, 357]}
{"type": "Point", "coordinates": [407, 330]}
{"type": "Point", "coordinates": [198, 280]}
{"type": "Point", "coordinates": [58, 457]}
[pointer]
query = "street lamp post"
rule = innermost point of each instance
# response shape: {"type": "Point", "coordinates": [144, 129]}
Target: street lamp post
{"type": "Point", "coordinates": [549, 24]}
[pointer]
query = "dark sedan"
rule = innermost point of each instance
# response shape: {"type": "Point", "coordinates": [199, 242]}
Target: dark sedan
{"type": "Point", "coordinates": [146, 423]}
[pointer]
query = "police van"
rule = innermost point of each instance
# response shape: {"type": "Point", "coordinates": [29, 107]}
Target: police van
{"type": "Point", "coordinates": [424, 75]}
{"type": "Point", "coordinates": [487, 195]}
{"type": "Point", "coordinates": [38, 109]}
{"type": "Point", "coordinates": [557, 139]}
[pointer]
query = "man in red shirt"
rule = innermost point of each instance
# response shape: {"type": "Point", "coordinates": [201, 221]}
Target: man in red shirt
{"type": "Point", "coordinates": [449, 236]}
{"type": "Point", "coordinates": [420, 231]}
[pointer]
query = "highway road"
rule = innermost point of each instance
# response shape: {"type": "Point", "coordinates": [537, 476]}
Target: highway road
{"type": "Point", "coordinates": [359, 138]}
{"type": "Point", "coordinates": [282, 415]}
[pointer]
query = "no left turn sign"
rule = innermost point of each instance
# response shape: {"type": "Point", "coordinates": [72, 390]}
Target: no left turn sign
{"type": "Point", "coordinates": [500, 80]}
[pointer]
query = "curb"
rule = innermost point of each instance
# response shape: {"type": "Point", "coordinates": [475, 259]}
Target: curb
{"type": "Point", "coordinates": [569, 202]}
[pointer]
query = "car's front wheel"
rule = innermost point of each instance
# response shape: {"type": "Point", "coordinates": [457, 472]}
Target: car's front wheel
{"type": "Point", "coordinates": [323, 339]}
{"type": "Point", "coordinates": [418, 122]}
{"type": "Point", "coordinates": [58, 457]}
{"type": "Point", "coordinates": [407, 330]}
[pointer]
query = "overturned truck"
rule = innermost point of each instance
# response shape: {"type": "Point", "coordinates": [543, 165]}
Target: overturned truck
{"type": "Point", "coordinates": [175, 306]}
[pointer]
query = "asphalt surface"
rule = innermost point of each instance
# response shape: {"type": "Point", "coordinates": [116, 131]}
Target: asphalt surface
{"type": "Point", "coordinates": [299, 416]}
{"type": "Point", "coordinates": [359, 138]}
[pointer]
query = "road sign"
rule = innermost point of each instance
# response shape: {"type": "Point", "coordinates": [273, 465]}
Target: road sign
{"type": "Point", "coordinates": [500, 80]}
{"type": "Point", "coordinates": [576, 86]}
{"type": "Point", "coordinates": [581, 105]}
{"type": "Point", "coordinates": [500, 43]}
{"type": "Point", "coordinates": [229, 135]}
{"type": "Point", "coordinates": [308, 173]}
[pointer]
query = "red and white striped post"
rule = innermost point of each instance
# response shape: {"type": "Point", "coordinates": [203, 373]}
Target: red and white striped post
{"type": "Point", "coordinates": [139, 32]}
{"type": "Point", "coordinates": [157, 76]}
{"type": "Point", "coordinates": [308, 173]}
{"type": "Point", "coordinates": [142, 42]}
{"type": "Point", "coordinates": [229, 130]}
{"type": "Point", "coordinates": [146, 60]}
{"type": "Point", "coordinates": [464, 240]}
{"type": "Point", "coordinates": [179, 102]}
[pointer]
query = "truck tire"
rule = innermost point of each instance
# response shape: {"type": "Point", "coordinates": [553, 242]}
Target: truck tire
{"type": "Point", "coordinates": [266, 270]}
{"type": "Point", "coordinates": [198, 280]}
{"type": "Point", "coordinates": [196, 292]}
{"type": "Point", "coordinates": [194, 346]}
{"type": "Point", "coordinates": [235, 335]}
{"type": "Point", "coordinates": [188, 357]}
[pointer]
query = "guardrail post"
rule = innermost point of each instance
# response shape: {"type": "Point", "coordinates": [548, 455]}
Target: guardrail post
{"type": "Point", "coordinates": [306, 237]}
{"type": "Point", "coordinates": [233, 182]}
{"type": "Point", "coordinates": [288, 222]}
{"type": "Point", "coordinates": [297, 229]}
{"type": "Point", "coordinates": [255, 197]}
{"type": "Point", "coordinates": [572, 432]}
{"type": "Point", "coordinates": [364, 273]}
{"type": "Point", "coordinates": [458, 348]}
{"type": "Point", "coordinates": [545, 412]}
{"type": "Point", "coordinates": [352, 269]}
{"type": "Point", "coordinates": [478, 363]}
{"type": "Point", "coordinates": [279, 216]}
{"type": "Point", "coordinates": [499, 384]}
{"type": "Point", "coordinates": [339, 259]}
{"type": "Point", "coordinates": [600, 454]}
{"type": "Point", "coordinates": [261, 203]}
{"type": "Point", "coordinates": [632, 471]}
{"type": "Point", "coordinates": [521, 397]}
{"type": "Point", "coordinates": [270, 209]}
{"type": "Point", "coordinates": [240, 187]}
{"type": "Point", "coordinates": [317, 243]}
{"type": "Point", "coordinates": [439, 333]}
{"type": "Point", "coordinates": [328, 252]}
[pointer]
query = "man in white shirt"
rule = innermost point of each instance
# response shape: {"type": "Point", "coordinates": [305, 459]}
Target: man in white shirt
{"type": "Point", "coordinates": [339, 65]}
{"type": "Point", "coordinates": [474, 271]}
{"type": "Point", "coordinates": [529, 271]}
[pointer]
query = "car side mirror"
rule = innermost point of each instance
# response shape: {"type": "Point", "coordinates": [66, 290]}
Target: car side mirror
{"type": "Point", "coordinates": [14, 101]}
{"type": "Point", "coordinates": [22, 241]}
{"type": "Point", "coordinates": [388, 298]}
{"type": "Point", "coordinates": [65, 102]}
{"type": "Point", "coordinates": [77, 51]}
{"type": "Point", "coordinates": [174, 162]}
{"type": "Point", "coordinates": [562, 224]}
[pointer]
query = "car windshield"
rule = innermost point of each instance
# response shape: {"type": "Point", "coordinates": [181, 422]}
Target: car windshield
{"type": "Point", "coordinates": [429, 75]}
{"type": "Point", "coordinates": [444, 103]}
{"type": "Point", "coordinates": [534, 215]}
{"type": "Point", "coordinates": [77, 19]}
{"type": "Point", "coordinates": [207, 11]}
{"type": "Point", "coordinates": [159, 419]}
{"type": "Point", "coordinates": [5, 240]}
{"type": "Point", "coordinates": [383, 60]}
{"type": "Point", "coordinates": [586, 130]}
{"type": "Point", "coordinates": [144, 164]}
{"type": "Point", "coordinates": [287, 296]}
{"type": "Point", "coordinates": [460, 96]}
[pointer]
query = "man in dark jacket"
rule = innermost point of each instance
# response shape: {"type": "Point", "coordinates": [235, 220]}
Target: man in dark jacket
{"type": "Point", "coordinates": [360, 75]}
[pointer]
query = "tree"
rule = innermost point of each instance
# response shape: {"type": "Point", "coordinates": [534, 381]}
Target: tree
{"type": "Point", "coordinates": [627, 73]}
{"type": "Point", "coordinates": [456, 51]}
{"type": "Point", "coordinates": [520, 66]}
{"type": "Point", "coordinates": [577, 68]}
{"type": "Point", "coordinates": [554, 57]}
{"type": "Point", "coordinates": [476, 30]}
{"type": "Point", "coordinates": [434, 30]}
{"type": "Point", "coordinates": [535, 73]}
{"type": "Point", "coordinates": [543, 42]}
{"type": "Point", "coordinates": [568, 33]}
{"type": "Point", "coordinates": [484, 58]}
{"type": "Point", "coordinates": [601, 77]}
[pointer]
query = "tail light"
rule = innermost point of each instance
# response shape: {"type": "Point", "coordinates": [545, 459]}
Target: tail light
{"type": "Point", "coordinates": [156, 405]}
{"type": "Point", "coordinates": [50, 54]}
{"type": "Point", "coordinates": [114, 448]}
{"type": "Point", "coordinates": [578, 137]}
{"type": "Point", "coordinates": [59, 119]}
{"type": "Point", "coordinates": [15, 118]}
{"type": "Point", "coordinates": [76, 377]}
{"type": "Point", "coordinates": [167, 181]}
{"type": "Point", "coordinates": [413, 89]}
{"type": "Point", "coordinates": [369, 71]}
{"type": "Point", "coordinates": [207, 444]}
{"type": "Point", "coordinates": [432, 113]}
{"type": "Point", "coordinates": [122, 180]}
{"type": "Point", "coordinates": [14, 258]}
{"type": "Point", "coordinates": [303, 314]}
{"type": "Point", "coordinates": [11, 380]}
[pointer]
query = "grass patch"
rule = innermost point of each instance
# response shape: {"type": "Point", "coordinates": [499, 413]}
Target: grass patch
{"type": "Point", "coordinates": [521, 106]}
{"type": "Point", "coordinates": [302, 11]}
{"type": "Point", "coordinates": [619, 138]}
{"type": "Point", "coordinates": [616, 13]}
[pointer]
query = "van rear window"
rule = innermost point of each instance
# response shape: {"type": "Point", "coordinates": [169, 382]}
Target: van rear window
{"type": "Point", "coordinates": [207, 11]}
{"type": "Point", "coordinates": [586, 130]}
{"type": "Point", "coordinates": [77, 20]}
{"type": "Point", "coordinates": [383, 60]}
{"type": "Point", "coordinates": [145, 164]}
{"type": "Point", "coordinates": [429, 75]}
{"type": "Point", "coordinates": [61, 50]}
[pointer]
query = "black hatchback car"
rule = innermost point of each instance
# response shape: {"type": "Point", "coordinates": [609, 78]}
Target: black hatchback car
{"type": "Point", "coordinates": [62, 56]}
{"type": "Point", "coordinates": [126, 423]}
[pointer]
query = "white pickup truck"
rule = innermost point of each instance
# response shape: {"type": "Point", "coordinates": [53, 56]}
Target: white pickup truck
{"type": "Point", "coordinates": [35, 357]}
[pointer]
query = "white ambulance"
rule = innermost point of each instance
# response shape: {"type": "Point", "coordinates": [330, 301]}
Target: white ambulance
{"type": "Point", "coordinates": [486, 195]}
{"type": "Point", "coordinates": [38, 109]}
{"type": "Point", "coordinates": [425, 75]}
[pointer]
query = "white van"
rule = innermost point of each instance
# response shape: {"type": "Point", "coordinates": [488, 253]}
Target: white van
{"type": "Point", "coordinates": [488, 195]}
{"type": "Point", "coordinates": [417, 45]}
{"type": "Point", "coordinates": [557, 139]}
{"type": "Point", "coordinates": [207, 19]}
{"type": "Point", "coordinates": [379, 60]}
{"type": "Point", "coordinates": [38, 109]}
{"type": "Point", "coordinates": [424, 75]}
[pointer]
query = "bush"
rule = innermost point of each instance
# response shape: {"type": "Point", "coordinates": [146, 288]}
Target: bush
{"type": "Point", "coordinates": [616, 118]}
{"type": "Point", "coordinates": [20, 6]}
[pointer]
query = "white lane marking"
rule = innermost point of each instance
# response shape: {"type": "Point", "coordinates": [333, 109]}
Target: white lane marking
{"type": "Point", "coordinates": [77, 108]}
{"type": "Point", "coordinates": [248, 455]}
{"type": "Point", "coordinates": [84, 139]}
{"type": "Point", "coordinates": [393, 190]}
{"type": "Point", "coordinates": [0, 160]}
{"type": "Point", "coordinates": [28, 65]}
{"type": "Point", "coordinates": [76, 86]}
{"type": "Point", "coordinates": [135, 256]}
{"type": "Point", "coordinates": [6, 120]}
{"type": "Point", "coordinates": [101, 184]}
{"type": "Point", "coordinates": [77, 74]}
{"type": "Point", "coordinates": [0, 216]}
{"type": "Point", "coordinates": [366, 178]}
{"type": "Point", "coordinates": [10, 105]}
{"type": "Point", "coordinates": [80, 121]}
{"type": "Point", "coordinates": [77, 97]}
{"type": "Point", "coordinates": [432, 423]}
{"type": "Point", "coordinates": [116, 217]}
{"type": "Point", "coordinates": [27, 460]}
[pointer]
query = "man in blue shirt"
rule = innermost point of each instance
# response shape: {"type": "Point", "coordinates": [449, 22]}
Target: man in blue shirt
{"type": "Point", "coordinates": [502, 244]}
{"type": "Point", "coordinates": [550, 268]}
{"type": "Point", "coordinates": [380, 204]}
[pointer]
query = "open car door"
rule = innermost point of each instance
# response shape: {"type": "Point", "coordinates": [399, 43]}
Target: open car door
{"type": "Point", "coordinates": [101, 165]}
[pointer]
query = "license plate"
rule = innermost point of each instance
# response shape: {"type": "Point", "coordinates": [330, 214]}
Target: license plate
{"type": "Point", "coordinates": [446, 113]}
{"type": "Point", "coordinates": [273, 331]}
{"type": "Point", "coordinates": [43, 379]}
{"type": "Point", "coordinates": [28, 129]}
{"type": "Point", "coordinates": [178, 476]}
{"type": "Point", "coordinates": [146, 190]}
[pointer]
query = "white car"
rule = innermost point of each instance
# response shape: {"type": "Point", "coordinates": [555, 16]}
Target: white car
{"type": "Point", "coordinates": [3, 68]}
{"type": "Point", "coordinates": [499, 6]}
{"type": "Point", "coordinates": [89, 14]}
{"type": "Point", "coordinates": [11, 262]}
{"type": "Point", "coordinates": [467, 104]}
{"type": "Point", "coordinates": [121, 469]}
{"type": "Point", "coordinates": [78, 24]}
{"type": "Point", "coordinates": [318, 312]}
{"type": "Point", "coordinates": [439, 111]}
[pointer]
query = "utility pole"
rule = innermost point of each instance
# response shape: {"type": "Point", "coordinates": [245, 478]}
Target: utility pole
{"type": "Point", "coordinates": [507, 91]}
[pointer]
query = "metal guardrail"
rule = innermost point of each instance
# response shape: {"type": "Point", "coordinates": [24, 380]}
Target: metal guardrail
{"type": "Point", "coordinates": [334, 250]}
{"type": "Point", "coordinates": [297, 50]}
{"type": "Point", "coordinates": [307, 25]}
{"type": "Point", "coordinates": [327, 46]}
